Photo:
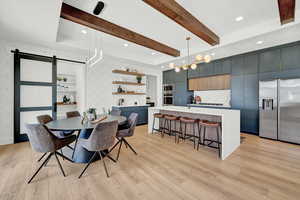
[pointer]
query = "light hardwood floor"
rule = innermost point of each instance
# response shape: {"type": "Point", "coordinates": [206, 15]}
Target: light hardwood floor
{"type": "Point", "coordinates": [259, 169]}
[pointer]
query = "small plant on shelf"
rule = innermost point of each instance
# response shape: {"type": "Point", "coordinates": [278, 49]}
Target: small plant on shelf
{"type": "Point", "coordinates": [139, 79]}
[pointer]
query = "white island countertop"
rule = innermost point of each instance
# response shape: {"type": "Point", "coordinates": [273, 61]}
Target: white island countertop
{"type": "Point", "coordinates": [230, 123]}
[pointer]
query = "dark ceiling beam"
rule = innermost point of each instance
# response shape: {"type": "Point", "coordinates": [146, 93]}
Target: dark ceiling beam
{"type": "Point", "coordinates": [177, 13]}
{"type": "Point", "coordinates": [286, 11]}
{"type": "Point", "coordinates": [78, 16]}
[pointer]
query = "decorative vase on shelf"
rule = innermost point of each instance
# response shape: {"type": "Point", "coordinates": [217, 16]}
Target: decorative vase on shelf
{"type": "Point", "coordinates": [120, 90]}
{"type": "Point", "coordinates": [139, 79]}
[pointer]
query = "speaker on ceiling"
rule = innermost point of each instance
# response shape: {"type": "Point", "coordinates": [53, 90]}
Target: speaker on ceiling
{"type": "Point", "coordinates": [99, 7]}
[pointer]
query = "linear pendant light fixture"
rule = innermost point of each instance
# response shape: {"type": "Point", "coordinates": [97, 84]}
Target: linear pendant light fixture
{"type": "Point", "coordinates": [198, 59]}
{"type": "Point", "coordinates": [98, 54]}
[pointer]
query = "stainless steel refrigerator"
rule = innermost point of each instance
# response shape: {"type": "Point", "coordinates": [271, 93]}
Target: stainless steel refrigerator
{"type": "Point", "coordinates": [279, 109]}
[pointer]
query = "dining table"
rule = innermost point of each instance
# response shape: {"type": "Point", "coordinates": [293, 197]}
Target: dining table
{"type": "Point", "coordinates": [75, 125]}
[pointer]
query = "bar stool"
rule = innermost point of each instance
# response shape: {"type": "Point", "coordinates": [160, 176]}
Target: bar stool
{"type": "Point", "coordinates": [158, 116]}
{"type": "Point", "coordinates": [168, 125]}
{"type": "Point", "coordinates": [209, 124]}
{"type": "Point", "coordinates": [188, 121]}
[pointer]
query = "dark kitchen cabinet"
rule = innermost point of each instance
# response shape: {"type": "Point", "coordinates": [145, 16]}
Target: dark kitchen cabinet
{"type": "Point", "coordinates": [250, 64]}
{"type": "Point", "coordinates": [251, 91]}
{"type": "Point", "coordinates": [269, 61]}
{"type": "Point", "coordinates": [194, 73]}
{"type": "Point", "coordinates": [168, 77]}
{"type": "Point", "coordinates": [237, 65]}
{"type": "Point", "coordinates": [237, 92]}
{"type": "Point", "coordinates": [180, 76]}
{"type": "Point", "coordinates": [290, 57]}
{"type": "Point", "coordinates": [181, 94]}
{"type": "Point", "coordinates": [142, 112]}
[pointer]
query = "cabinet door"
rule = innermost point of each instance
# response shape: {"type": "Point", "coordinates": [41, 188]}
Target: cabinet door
{"type": "Point", "coordinates": [181, 94]}
{"type": "Point", "coordinates": [194, 73]}
{"type": "Point", "coordinates": [237, 92]}
{"type": "Point", "coordinates": [290, 57]}
{"type": "Point", "coordinates": [218, 67]}
{"type": "Point", "coordinates": [203, 83]}
{"type": "Point", "coordinates": [193, 84]}
{"type": "Point", "coordinates": [226, 82]}
{"type": "Point", "coordinates": [251, 91]}
{"type": "Point", "coordinates": [226, 66]}
{"type": "Point", "coordinates": [251, 64]}
{"type": "Point", "coordinates": [237, 65]}
{"type": "Point", "coordinates": [269, 61]}
{"type": "Point", "coordinates": [180, 76]}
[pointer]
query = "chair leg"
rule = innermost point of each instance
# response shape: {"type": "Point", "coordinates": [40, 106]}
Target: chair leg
{"type": "Point", "coordinates": [130, 146]}
{"type": "Point", "coordinates": [90, 161]}
{"type": "Point", "coordinates": [115, 145]}
{"type": "Point", "coordinates": [153, 124]}
{"type": "Point", "coordinates": [199, 140]}
{"type": "Point", "coordinates": [119, 149]}
{"type": "Point", "coordinates": [37, 171]}
{"type": "Point", "coordinates": [62, 153]}
{"type": "Point", "coordinates": [75, 145]}
{"type": "Point", "coordinates": [61, 169]}
{"type": "Point", "coordinates": [42, 157]}
{"type": "Point", "coordinates": [102, 158]}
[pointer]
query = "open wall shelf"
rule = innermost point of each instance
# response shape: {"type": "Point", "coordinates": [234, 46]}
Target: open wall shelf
{"type": "Point", "coordinates": [116, 71]}
{"type": "Point", "coordinates": [127, 83]}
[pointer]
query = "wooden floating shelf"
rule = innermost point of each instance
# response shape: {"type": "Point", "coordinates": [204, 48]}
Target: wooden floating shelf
{"type": "Point", "coordinates": [116, 71]}
{"type": "Point", "coordinates": [128, 93]}
{"type": "Point", "coordinates": [127, 83]}
{"type": "Point", "coordinates": [66, 104]}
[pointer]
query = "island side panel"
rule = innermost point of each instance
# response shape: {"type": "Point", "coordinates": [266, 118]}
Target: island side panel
{"type": "Point", "coordinates": [230, 133]}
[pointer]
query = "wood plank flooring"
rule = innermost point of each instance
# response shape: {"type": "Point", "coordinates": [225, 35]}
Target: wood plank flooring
{"type": "Point", "coordinates": [260, 169]}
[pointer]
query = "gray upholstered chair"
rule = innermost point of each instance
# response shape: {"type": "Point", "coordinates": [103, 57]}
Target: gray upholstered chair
{"type": "Point", "coordinates": [44, 119]}
{"type": "Point", "coordinates": [73, 114]}
{"type": "Point", "coordinates": [100, 140]}
{"type": "Point", "coordinates": [128, 132]}
{"type": "Point", "coordinates": [44, 141]}
{"type": "Point", "coordinates": [116, 112]}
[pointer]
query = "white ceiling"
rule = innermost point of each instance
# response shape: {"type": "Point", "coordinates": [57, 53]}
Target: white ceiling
{"type": "Point", "coordinates": [38, 20]}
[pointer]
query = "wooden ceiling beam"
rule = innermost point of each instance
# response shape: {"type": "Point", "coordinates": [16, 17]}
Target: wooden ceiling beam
{"type": "Point", "coordinates": [286, 11]}
{"type": "Point", "coordinates": [177, 13]}
{"type": "Point", "coordinates": [81, 17]}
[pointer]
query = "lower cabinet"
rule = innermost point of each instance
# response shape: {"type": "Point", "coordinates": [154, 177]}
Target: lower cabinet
{"type": "Point", "coordinates": [142, 112]}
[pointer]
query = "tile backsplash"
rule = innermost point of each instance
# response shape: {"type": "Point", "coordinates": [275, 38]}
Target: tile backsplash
{"type": "Point", "coordinates": [215, 96]}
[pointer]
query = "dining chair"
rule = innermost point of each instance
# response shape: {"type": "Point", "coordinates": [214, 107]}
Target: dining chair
{"type": "Point", "coordinates": [44, 119]}
{"type": "Point", "coordinates": [44, 141]}
{"type": "Point", "coordinates": [122, 134]}
{"type": "Point", "coordinates": [116, 112]}
{"type": "Point", "coordinates": [100, 140]}
{"type": "Point", "coordinates": [72, 114]}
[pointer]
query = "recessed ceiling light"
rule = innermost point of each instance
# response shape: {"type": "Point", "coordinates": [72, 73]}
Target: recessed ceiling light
{"type": "Point", "coordinates": [183, 61]}
{"type": "Point", "coordinates": [162, 67]}
{"type": "Point", "coordinates": [153, 53]}
{"type": "Point", "coordinates": [212, 54]}
{"type": "Point", "coordinates": [239, 18]}
{"type": "Point", "coordinates": [259, 42]}
{"type": "Point", "coordinates": [84, 31]}
{"type": "Point", "coordinates": [125, 45]}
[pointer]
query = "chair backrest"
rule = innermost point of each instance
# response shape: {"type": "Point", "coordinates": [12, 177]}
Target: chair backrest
{"type": "Point", "coordinates": [116, 112]}
{"type": "Point", "coordinates": [73, 114]}
{"type": "Point", "coordinates": [132, 120]}
{"type": "Point", "coordinates": [102, 137]}
{"type": "Point", "coordinates": [44, 119]}
{"type": "Point", "coordinates": [40, 138]}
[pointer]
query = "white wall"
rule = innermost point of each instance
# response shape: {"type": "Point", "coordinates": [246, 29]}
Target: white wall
{"type": "Point", "coordinates": [100, 77]}
{"type": "Point", "coordinates": [98, 80]}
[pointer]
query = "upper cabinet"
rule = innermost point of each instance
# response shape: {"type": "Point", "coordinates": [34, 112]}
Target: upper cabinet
{"type": "Point", "coordinates": [290, 57]}
{"type": "Point", "coordinates": [220, 82]}
{"type": "Point", "coordinates": [269, 61]}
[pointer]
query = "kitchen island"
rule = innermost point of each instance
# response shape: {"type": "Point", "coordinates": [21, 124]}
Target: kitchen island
{"type": "Point", "coordinates": [230, 120]}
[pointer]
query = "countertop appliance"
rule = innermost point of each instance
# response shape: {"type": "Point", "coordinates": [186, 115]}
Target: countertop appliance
{"type": "Point", "coordinates": [168, 92]}
{"type": "Point", "coordinates": [279, 109]}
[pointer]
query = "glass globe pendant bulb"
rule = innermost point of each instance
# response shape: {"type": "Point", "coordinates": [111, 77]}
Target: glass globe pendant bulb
{"type": "Point", "coordinates": [199, 57]}
{"type": "Point", "coordinates": [177, 69]}
{"type": "Point", "coordinates": [207, 58]}
{"type": "Point", "coordinates": [185, 67]}
{"type": "Point", "coordinates": [193, 66]}
{"type": "Point", "coordinates": [171, 65]}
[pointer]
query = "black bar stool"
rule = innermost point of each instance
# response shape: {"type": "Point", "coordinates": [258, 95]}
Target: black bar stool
{"type": "Point", "coordinates": [210, 124]}
{"type": "Point", "coordinates": [188, 121]}
{"type": "Point", "coordinates": [168, 125]}
{"type": "Point", "coordinates": [160, 118]}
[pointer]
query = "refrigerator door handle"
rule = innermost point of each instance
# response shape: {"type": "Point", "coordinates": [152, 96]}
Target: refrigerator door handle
{"type": "Point", "coordinates": [263, 104]}
{"type": "Point", "coordinates": [272, 102]}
